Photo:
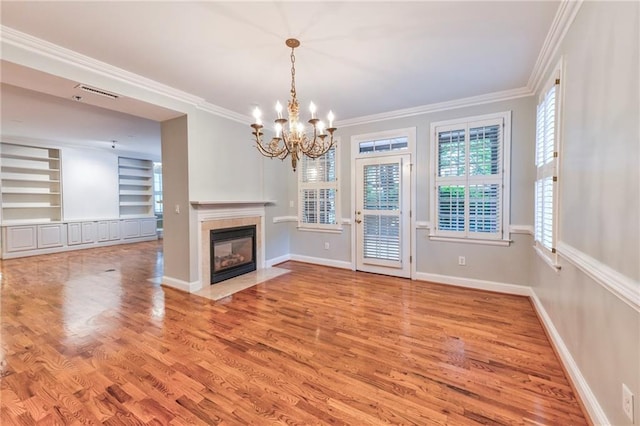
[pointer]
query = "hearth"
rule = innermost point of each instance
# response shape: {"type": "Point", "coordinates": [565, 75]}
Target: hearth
{"type": "Point", "coordinates": [233, 252]}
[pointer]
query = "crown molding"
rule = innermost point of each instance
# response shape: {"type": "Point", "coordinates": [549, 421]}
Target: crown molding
{"type": "Point", "coordinates": [47, 49]}
{"type": "Point", "coordinates": [441, 106]}
{"type": "Point", "coordinates": [566, 13]}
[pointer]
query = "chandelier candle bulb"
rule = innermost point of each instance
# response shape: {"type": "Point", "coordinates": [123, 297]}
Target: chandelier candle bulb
{"type": "Point", "coordinates": [293, 141]}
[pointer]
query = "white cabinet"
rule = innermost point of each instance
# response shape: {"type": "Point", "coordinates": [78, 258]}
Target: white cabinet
{"type": "Point", "coordinates": [108, 230]}
{"type": "Point", "coordinates": [30, 183]}
{"type": "Point", "coordinates": [28, 240]}
{"type": "Point", "coordinates": [88, 232]}
{"type": "Point", "coordinates": [19, 238]}
{"type": "Point", "coordinates": [50, 235]}
{"type": "Point", "coordinates": [130, 228]}
{"type": "Point", "coordinates": [135, 187]}
{"type": "Point", "coordinates": [74, 233]}
{"type": "Point", "coordinates": [148, 227]}
{"type": "Point", "coordinates": [81, 233]}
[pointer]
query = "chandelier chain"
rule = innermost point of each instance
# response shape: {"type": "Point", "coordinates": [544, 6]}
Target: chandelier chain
{"type": "Point", "coordinates": [293, 73]}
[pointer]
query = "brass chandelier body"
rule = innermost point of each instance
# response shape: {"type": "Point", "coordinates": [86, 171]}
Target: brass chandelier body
{"type": "Point", "coordinates": [293, 139]}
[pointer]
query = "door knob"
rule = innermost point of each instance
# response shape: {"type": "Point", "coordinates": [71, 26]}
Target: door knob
{"type": "Point", "coordinates": [358, 221]}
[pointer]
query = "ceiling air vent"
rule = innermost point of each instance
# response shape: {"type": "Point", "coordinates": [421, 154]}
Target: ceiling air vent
{"type": "Point", "coordinates": [97, 91]}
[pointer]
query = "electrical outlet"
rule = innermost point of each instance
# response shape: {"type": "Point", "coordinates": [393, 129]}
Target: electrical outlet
{"type": "Point", "coordinates": [177, 208]}
{"type": "Point", "coordinates": [627, 402]}
{"type": "Point", "coordinates": [326, 246]}
{"type": "Point", "coordinates": [462, 261]}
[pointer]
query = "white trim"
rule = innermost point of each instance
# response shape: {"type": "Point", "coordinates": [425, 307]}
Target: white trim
{"type": "Point", "coordinates": [620, 285]}
{"type": "Point", "coordinates": [276, 260]}
{"type": "Point", "coordinates": [282, 219]}
{"type": "Point", "coordinates": [423, 225]}
{"type": "Point", "coordinates": [501, 243]}
{"type": "Point", "coordinates": [320, 230]}
{"type": "Point", "coordinates": [321, 261]}
{"type": "Point", "coordinates": [521, 229]}
{"type": "Point", "coordinates": [412, 135]}
{"type": "Point", "coordinates": [596, 413]}
{"type": "Point", "coordinates": [47, 49]}
{"type": "Point", "coordinates": [519, 290]}
{"type": "Point", "coordinates": [566, 13]}
{"type": "Point", "coordinates": [189, 287]}
{"type": "Point", "coordinates": [437, 107]}
{"type": "Point", "coordinates": [549, 258]}
{"type": "Point", "coordinates": [345, 221]}
{"type": "Point", "coordinates": [501, 237]}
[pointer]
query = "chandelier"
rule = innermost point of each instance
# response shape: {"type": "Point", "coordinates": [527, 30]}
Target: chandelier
{"type": "Point", "coordinates": [293, 139]}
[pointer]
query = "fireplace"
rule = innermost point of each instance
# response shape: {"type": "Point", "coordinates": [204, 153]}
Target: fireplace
{"type": "Point", "coordinates": [233, 252]}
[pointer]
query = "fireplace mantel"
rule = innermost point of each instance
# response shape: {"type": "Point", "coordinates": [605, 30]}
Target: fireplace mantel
{"type": "Point", "coordinates": [229, 203]}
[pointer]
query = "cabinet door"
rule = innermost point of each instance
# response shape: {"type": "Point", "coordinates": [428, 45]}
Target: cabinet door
{"type": "Point", "coordinates": [148, 227]}
{"type": "Point", "coordinates": [103, 231]}
{"type": "Point", "coordinates": [50, 235]}
{"type": "Point", "coordinates": [19, 238]}
{"type": "Point", "coordinates": [74, 233]}
{"type": "Point", "coordinates": [114, 230]}
{"type": "Point", "coordinates": [130, 228]}
{"type": "Point", "coordinates": [88, 232]}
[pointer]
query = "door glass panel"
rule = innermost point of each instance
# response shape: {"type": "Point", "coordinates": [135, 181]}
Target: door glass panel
{"type": "Point", "coordinates": [382, 187]}
{"type": "Point", "coordinates": [381, 237]}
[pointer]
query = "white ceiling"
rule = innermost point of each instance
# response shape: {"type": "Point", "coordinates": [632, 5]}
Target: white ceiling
{"type": "Point", "coordinates": [356, 58]}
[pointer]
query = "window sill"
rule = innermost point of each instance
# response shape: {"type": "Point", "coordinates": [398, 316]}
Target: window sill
{"type": "Point", "coordinates": [553, 263]}
{"type": "Point", "coordinates": [501, 243]}
{"type": "Point", "coordinates": [321, 230]}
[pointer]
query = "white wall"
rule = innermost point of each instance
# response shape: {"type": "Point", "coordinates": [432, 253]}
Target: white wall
{"type": "Point", "coordinates": [89, 184]}
{"type": "Point", "coordinates": [599, 189]}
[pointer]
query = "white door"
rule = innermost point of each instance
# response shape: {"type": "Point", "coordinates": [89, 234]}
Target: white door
{"type": "Point", "coordinates": [382, 218]}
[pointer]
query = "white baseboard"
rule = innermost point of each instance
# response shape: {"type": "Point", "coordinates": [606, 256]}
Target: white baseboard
{"type": "Point", "coordinates": [597, 415]}
{"type": "Point", "coordinates": [270, 262]}
{"type": "Point", "coordinates": [519, 290]}
{"type": "Point", "coordinates": [321, 261]}
{"type": "Point", "coordinates": [189, 287]}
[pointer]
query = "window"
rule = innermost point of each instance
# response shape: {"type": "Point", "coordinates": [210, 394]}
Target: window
{"type": "Point", "coordinates": [470, 170]}
{"type": "Point", "coordinates": [157, 192]}
{"type": "Point", "coordinates": [546, 168]}
{"type": "Point", "coordinates": [318, 191]}
{"type": "Point", "coordinates": [381, 145]}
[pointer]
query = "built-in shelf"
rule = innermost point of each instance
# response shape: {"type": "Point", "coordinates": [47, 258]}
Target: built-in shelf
{"type": "Point", "coordinates": [135, 177]}
{"type": "Point", "coordinates": [30, 178]}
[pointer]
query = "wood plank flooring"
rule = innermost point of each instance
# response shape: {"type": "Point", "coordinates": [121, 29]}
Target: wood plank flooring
{"type": "Point", "coordinates": [86, 339]}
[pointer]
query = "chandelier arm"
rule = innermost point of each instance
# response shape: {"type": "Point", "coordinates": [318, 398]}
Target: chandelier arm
{"type": "Point", "coordinates": [273, 154]}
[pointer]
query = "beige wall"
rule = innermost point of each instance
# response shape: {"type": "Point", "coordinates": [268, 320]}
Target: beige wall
{"type": "Point", "coordinates": [437, 257]}
{"type": "Point", "coordinates": [175, 189]}
{"type": "Point", "coordinates": [599, 198]}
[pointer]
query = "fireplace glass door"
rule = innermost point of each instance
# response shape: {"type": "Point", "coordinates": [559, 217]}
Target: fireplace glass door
{"type": "Point", "coordinates": [233, 252]}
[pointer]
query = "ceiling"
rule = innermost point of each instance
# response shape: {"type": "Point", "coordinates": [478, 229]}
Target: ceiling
{"type": "Point", "coordinates": [356, 58]}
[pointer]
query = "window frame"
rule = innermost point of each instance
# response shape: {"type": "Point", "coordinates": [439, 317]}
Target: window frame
{"type": "Point", "coordinates": [548, 170]}
{"type": "Point", "coordinates": [502, 237]}
{"type": "Point", "coordinates": [320, 227]}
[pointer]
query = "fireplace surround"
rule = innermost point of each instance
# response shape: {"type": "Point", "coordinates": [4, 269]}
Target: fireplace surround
{"type": "Point", "coordinates": [226, 214]}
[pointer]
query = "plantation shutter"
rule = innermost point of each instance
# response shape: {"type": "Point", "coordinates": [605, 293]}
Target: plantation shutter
{"type": "Point", "coordinates": [469, 179]}
{"type": "Point", "coordinates": [381, 219]}
{"type": "Point", "coordinates": [318, 190]}
{"type": "Point", "coordinates": [546, 164]}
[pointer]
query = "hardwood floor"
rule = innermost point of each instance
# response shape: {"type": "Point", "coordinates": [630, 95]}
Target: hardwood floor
{"type": "Point", "coordinates": [86, 339]}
